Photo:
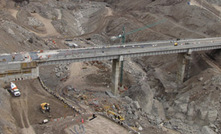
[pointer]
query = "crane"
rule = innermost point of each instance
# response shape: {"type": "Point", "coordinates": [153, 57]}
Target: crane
{"type": "Point", "coordinates": [123, 39]}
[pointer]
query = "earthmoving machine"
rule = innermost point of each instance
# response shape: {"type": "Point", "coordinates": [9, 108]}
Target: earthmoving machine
{"type": "Point", "coordinates": [45, 107]}
{"type": "Point", "coordinates": [14, 90]}
{"type": "Point", "coordinates": [120, 119]}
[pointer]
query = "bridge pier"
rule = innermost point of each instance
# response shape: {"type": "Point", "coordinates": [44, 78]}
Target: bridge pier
{"type": "Point", "coordinates": [181, 64]}
{"type": "Point", "coordinates": [115, 76]}
{"type": "Point", "coordinates": [182, 60]}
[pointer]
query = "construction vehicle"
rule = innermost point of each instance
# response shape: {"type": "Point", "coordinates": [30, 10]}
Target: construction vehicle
{"type": "Point", "coordinates": [45, 107]}
{"type": "Point", "coordinates": [44, 121]}
{"type": "Point", "coordinates": [116, 117]}
{"type": "Point", "coordinates": [175, 44]}
{"type": "Point", "coordinates": [14, 90]}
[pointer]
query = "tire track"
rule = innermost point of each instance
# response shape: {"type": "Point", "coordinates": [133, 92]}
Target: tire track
{"type": "Point", "coordinates": [20, 110]}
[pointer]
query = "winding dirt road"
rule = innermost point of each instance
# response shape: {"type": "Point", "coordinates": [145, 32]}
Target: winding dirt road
{"type": "Point", "coordinates": [50, 30]}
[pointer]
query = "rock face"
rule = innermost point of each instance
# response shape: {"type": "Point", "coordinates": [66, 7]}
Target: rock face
{"type": "Point", "coordinates": [145, 97]}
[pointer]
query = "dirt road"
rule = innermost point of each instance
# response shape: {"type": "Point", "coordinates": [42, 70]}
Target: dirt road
{"type": "Point", "coordinates": [26, 108]}
{"type": "Point", "coordinates": [20, 112]}
{"type": "Point", "coordinates": [51, 31]}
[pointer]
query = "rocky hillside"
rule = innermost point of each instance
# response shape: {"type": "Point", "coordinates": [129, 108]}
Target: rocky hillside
{"type": "Point", "coordinates": [193, 107]}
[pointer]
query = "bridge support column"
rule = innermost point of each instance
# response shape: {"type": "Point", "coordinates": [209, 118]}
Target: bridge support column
{"type": "Point", "coordinates": [182, 60]}
{"type": "Point", "coordinates": [115, 76]}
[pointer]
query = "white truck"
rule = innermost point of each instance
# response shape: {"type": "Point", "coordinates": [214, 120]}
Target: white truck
{"type": "Point", "coordinates": [14, 90]}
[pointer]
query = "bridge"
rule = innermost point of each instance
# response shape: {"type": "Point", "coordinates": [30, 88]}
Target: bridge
{"type": "Point", "coordinates": [25, 65]}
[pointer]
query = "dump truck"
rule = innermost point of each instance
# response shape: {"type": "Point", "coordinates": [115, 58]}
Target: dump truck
{"type": "Point", "coordinates": [14, 90]}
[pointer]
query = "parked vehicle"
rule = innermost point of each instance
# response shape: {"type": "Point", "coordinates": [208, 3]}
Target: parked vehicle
{"type": "Point", "coordinates": [14, 90]}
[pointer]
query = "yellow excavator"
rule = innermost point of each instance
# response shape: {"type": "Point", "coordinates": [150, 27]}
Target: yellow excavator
{"type": "Point", "coordinates": [45, 107]}
{"type": "Point", "coordinates": [116, 116]}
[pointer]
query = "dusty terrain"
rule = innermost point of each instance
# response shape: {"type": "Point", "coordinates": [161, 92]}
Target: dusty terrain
{"type": "Point", "coordinates": [165, 107]}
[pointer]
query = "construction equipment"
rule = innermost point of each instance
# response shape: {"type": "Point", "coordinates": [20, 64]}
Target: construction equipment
{"type": "Point", "coordinates": [123, 37]}
{"type": "Point", "coordinates": [93, 117]}
{"type": "Point", "coordinates": [116, 116]}
{"type": "Point", "coordinates": [45, 107]}
{"type": "Point", "coordinates": [14, 90]}
{"type": "Point", "coordinates": [44, 121]}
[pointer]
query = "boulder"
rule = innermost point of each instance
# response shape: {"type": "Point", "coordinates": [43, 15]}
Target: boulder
{"type": "Point", "coordinates": [183, 107]}
{"type": "Point", "coordinates": [136, 105]}
{"type": "Point", "coordinates": [58, 74]}
{"type": "Point", "coordinates": [203, 112]}
{"type": "Point", "coordinates": [200, 79]}
{"type": "Point", "coordinates": [207, 130]}
{"type": "Point", "coordinates": [212, 115]}
{"type": "Point", "coordinates": [180, 116]}
{"type": "Point", "coordinates": [56, 69]}
{"type": "Point", "coordinates": [191, 111]}
{"type": "Point", "coordinates": [135, 116]}
{"type": "Point", "coordinates": [128, 99]}
{"type": "Point", "coordinates": [140, 128]}
{"type": "Point", "coordinates": [158, 109]}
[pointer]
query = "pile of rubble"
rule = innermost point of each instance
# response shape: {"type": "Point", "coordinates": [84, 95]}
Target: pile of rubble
{"type": "Point", "coordinates": [59, 97]}
{"type": "Point", "coordinates": [133, 113]}
{"type": "Point", "coordinates": [62, 71]}
{"type": "Point", "coordinates": [128, 111]}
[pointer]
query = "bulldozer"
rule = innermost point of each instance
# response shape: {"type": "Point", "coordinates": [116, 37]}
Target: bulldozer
{"type": "Point", "coordinates": [45, 107]}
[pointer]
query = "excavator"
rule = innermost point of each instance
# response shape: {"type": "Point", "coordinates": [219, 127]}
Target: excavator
{"type": "Point", "coordinates": [45, 107]}
{"type": "Point", "coordinates": [120, 119]}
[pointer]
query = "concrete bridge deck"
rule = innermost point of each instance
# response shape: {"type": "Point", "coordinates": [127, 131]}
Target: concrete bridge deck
{"type": "Point", "coordinates": [111, 52]}
{"type": "Point", "coordinates": [25, 65]}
